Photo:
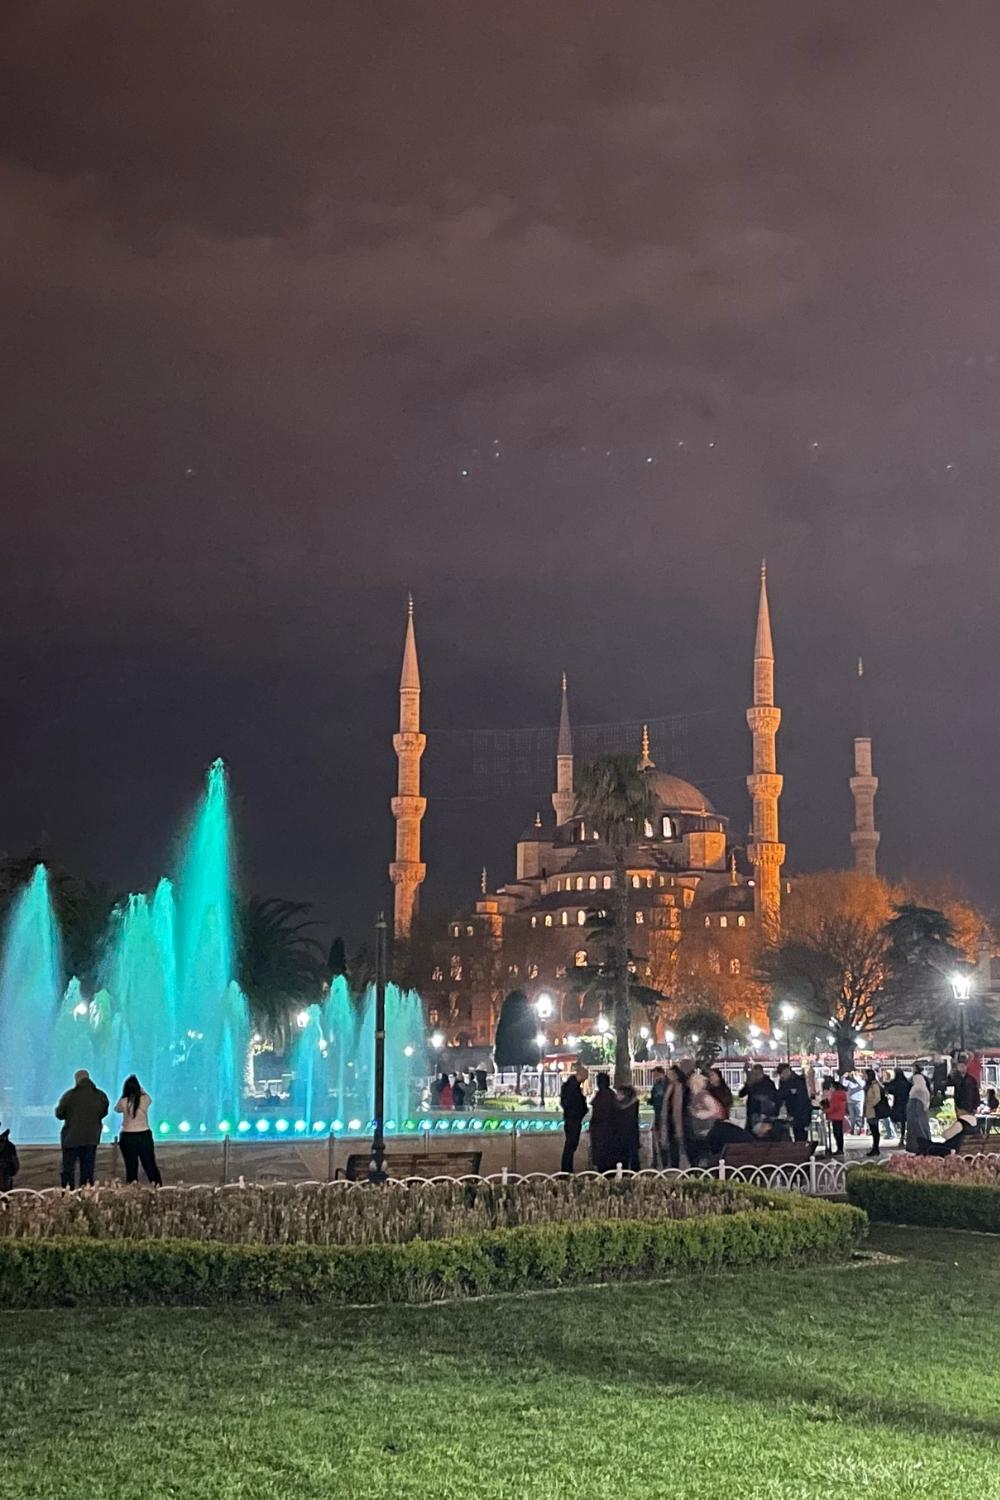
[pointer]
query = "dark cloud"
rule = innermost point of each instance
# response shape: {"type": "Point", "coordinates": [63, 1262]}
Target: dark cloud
{"type": "Point", "coordinates": [272, 278]}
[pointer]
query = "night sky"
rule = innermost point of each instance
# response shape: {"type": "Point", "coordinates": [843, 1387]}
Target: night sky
{"type": "Point", "coordinates": [560, 315]}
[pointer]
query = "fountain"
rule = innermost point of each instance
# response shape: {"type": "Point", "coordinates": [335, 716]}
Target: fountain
{"type": "Point", "coordinates": [166, 1006]}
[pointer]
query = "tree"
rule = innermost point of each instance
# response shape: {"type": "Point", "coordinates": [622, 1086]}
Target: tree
{"type": "Point", "coordinates": [616, 798]}
{"type": "Point", "coordinates": [517, 1027]}
{"type": "Point", "coordinates": [831, 957]}
{"type": "Point", "coordinates": [925, 959]}
{"type": "Point", "coordinates": [707, 1031]}
{"type": "Point", "coordinates": [280, 966]}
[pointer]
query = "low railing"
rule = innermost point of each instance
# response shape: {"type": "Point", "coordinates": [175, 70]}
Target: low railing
{"type": "Point", "coordinates": [824, 1179]}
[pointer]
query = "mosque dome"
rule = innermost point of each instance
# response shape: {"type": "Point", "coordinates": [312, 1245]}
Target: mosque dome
{"type": "Point", "coordinates": [677, 795]}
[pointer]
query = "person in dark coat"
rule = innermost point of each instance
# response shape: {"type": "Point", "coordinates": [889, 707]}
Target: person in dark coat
{"type": "Point", "coordinates": [761, 1096]}
{"type": "Point", "coordinates": [9, 1163]}
{"type": "Point", "coordinates": [628, 1128]}
{"type": "Point", "coordinates": [574, 1106]}
{"type": "Point", "coordinates": [604, 1126]}
{"type": "Point", "coordinates": [898, 1089]}
{"type": "Point", "coordinates": [793, 1096]}
{"type": "Point", "coordinates": [81, 1109]}
{"type": "Point", "coordinates": [720, 1092]}
{"type": "Point", "coordinates": [676, 1132]}
{"type": "Point", "coordinates": [657, 1094]}
{"type": "Point", "coordinates": [458, 1092]}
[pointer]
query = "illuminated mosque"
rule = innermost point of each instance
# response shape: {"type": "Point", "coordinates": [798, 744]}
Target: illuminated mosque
{"type": "Point", "coordinates": [685, 873]}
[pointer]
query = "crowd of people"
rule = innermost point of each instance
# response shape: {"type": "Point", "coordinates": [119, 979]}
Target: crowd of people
{"type": "Point", "coordinates": [692, 1112]}
{"type": "Point", "coordinates": [82, 1111]}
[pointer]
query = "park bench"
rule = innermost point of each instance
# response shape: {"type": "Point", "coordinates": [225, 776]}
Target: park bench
{"type": "Point", "coordinates": [768, 1153]}
{"type": "Point", "coordinates": [976, 1144]}
{"type": "Point", "coordinates": [414, 1164]}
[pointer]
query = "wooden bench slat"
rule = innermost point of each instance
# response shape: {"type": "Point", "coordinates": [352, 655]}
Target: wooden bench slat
{"type": "Point", "coordinates": [768, 1153]}
{"type": "Point", "coordinates": [414, 1164]}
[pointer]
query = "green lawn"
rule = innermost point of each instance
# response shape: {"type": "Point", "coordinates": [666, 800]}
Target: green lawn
{"type": "Point", "coordinates": [872, 1380]}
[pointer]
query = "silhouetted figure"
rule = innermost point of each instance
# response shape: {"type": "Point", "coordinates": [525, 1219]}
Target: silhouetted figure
{"type": "Point", "coordinates": [135, 1139]}
{"type": "Point", "coordinates": [604, 1125]}
{"type": "Point", "coordinates": [81, 1109]}
{"type": "Point", "coordinates": [761, 1096]}
{"type": "Point", "coordinates": [628, 1128]}
{"type": "Point", "coordinates": [793, 1095]}
{"type": "Point", "coordinates": [9, 1163]}
{"type": "Point", "coordinates": [574, 1107]}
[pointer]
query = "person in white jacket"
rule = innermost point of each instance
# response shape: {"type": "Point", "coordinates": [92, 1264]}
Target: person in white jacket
{"type": "Point", "coordinates": [918, 1119]}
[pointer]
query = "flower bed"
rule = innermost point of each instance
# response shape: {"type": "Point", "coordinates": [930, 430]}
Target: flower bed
{"type": "Point", "coordinates": [945, 1192]}
{"type": "Point", "coordinates": [347, 1214]}
{"type": "Point", "coordinates": [59, 1271]}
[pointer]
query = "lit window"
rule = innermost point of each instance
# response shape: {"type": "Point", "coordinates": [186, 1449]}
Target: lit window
{"type": "Point", "coordinates": [582, 832]}
{"type": "Point", "coordinates": [534, 921]}
{"type": "Point", "coordinates": [708, 921]}
{"type": "Point", "coordinates": [456, 966]}
{"type": "Point", "coordinates": [438, 974]}
{"type": "Point", "coordinates": [581, 918]}
{"type": "Point", "coordinates": [592, 883]}
{"type": "Point", "coordinates": [713, 960]}
{"type": "Point", "coordinates": [636, 882]}
{"type": "Point", "coordinates": [560, 971]}
{"type": "Point", "coordinates": [548, 919]}
{"type": "Point", "coordinates": [595, 836]}
{"type": "Point", "coordinates": [603, 916]}
{"type": "Point", "coordinates": [606, 882]}
{"type": "Point", "coordinates": [470, 931]}
{"type": "Point", "coordinates": [647, 829]}
{"type": "Point", "coordinates": [456, 931]}
{"type": "Point", "coordinates": [532, 971]}
{"type": "Point", "coordinates": [723, 921]}
{"type": "Point", "coordinates": [639, 918]}
{"type": "Point", "coordinates": [513, 969]}
{"type": "Point", "coordinates": [734, 966]}
{"type": "Point", "coordinates": [668, 828]}
{"type": "Point", "coordinates": [579, 882]}
{"type": "Point", "coordinates": [564, 918]}
{"type": "Point", "coordinates": [649, 882]}
{"type": "Point", "coordinates": [580, 958]}
{"type": "Point", "coordinates": [741, 921]}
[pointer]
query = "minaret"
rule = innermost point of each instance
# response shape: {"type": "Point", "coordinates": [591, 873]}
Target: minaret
{"type": "Point", "coordinates": [564, 798]}
{"type": "Point", "coordinates": [646, 761]}
{"type": "Point", "coordinates": [864, 785]}
{"type": "Point", "coordinates": [408, 807]}
{"type": "Point", "coordinates": [766, 854]}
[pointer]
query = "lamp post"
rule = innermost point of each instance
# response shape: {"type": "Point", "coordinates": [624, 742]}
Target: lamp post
{"type": "Point", "coordinates": [543, 1010]}
{"type": "Point", "coordinates": [961, 985]}
{"type": "Point", "coordinates": [376, 1169]}
{"type": "Point", "coordinates": [788, 1014]}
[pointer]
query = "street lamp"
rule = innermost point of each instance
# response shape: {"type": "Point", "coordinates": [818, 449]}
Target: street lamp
{"type": "Point", "coordinates": [961, 985]}
{"type": "Point", "coordinates": [437, 1040]}
{"type": "Point", "coordinates": [788, 1014]}
{"type": "Point", "coordinates": [544, 1006]}
{"type": "Point", "coordinates": [603, 1025]}
{"type": "Point", "coordinates": [540, 1040]}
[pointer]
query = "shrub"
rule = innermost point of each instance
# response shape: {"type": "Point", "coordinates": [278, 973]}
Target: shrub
{"type": "Point", "coordinates": [60, 1271]}
{"type": "Point", "coordinates": [950, 1202]}
{"type": "Point", "coordinates": [342, 1213]}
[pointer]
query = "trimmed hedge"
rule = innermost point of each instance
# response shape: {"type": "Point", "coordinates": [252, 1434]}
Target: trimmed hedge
{"type": "Point", "coordinates": [894, 1198]}
{"type": "Point", "coordinates": [59, 1272]}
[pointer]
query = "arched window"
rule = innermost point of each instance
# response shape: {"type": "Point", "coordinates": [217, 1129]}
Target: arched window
{"type": "Point", "coordinates": [582, 832]}
{"type": "Point", "coordinates": [564, 918]}
{"type": "Point", "coordinates": [548, 919]}
{"type": "Point", "coordinates": [734, 966]}
{"type": "Point", "coordinates": [639, 918]}
{"type": "Point", "coordinates": [713, 960]}
{"type": "Point", "coordinates": [513, 969]}
{"type": "Point", "coordinates": [470, 931]}
{"type": "Point", "coordinates": [647, 829]}
{"type": "Point", "coordinates": [723, 921]}
{"type": "Point", "coordinates": [534, 921]}
{"type": "Point", "coordinates": [438, 974]}
{"type": "Point", "coordinates": [606, 882]}
{"type": "Point", "coordinates": [668, 828]}
{"type": "Point", "coordinates": [532, 971]}
{"type": "Point", "coordinates": [708, 921]}
{"type": "Point", "coordinates": [649, 882]}
{"type": "Point", "coordinates": [636, 882]}
{"type": "Point", "coordinates": [456, 966]}
{"type": "Point", "coordinates": [456, 930]}
{"type": "Point", "coordinates": [581, 917]}
{"type": "Point", "coordinates": [592, 882]}
{"type": "Point", "coordinates": [579, 882]}
{"type": "Point", "coordinates": [741, 921]}
{"type": "Point", "coordinates": [580, 958]}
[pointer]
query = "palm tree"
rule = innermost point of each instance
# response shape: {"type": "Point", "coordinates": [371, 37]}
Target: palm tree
{"type": "Point", "coordinates": [615, 797]}
{"type": "Point", "coordinates": [280, 966]}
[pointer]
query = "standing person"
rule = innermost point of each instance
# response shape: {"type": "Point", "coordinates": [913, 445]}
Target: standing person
{"type": "Point", "coordinates": [876, 1109]}
{"type": "Point", "coordinates": [918, 1113]}
{"type": "Point", "coordinates": [445, 1097]}
{"type": "Point", "coordinates": [676, 1134]}
{"type": "Point", "coordinates": [761, 1096]}
{"type": "Point", "coordinates": [855, 1103]}
{"type": "Point", "coordinates": [458, 1093]}
{"type": "Point", "coordinates": [966, 1091]}
{"type": "Point", "coordinates": [794, 1096]}
{"type": "Point", "coordinates": [720, 1092]}
{"type": "Point", "coordinates": [81, 1109]}
{"type": "Point", "coordinates": [573, 1103]}
{"type": "Point", "coordinates": [657, 1094]}
{"type": "Point", "coordinates": [135, 1139]}
{"type": "Point", "coordinates": [835, 1107]}
{"type": "Point", "coordinates": [9, 1162]}
{"type": "Point", "coordinates": [898, 1089]}
{"type": "Point", "coordinates": [628, 1128]}
{"type": "Point", "coordinates": [604, 1126]}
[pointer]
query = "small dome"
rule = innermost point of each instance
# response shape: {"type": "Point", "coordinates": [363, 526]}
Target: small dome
{"type": "Point", "coordinates": [678, 795]}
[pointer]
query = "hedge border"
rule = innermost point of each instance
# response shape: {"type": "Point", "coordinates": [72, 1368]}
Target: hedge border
{"type": "Point", "coordinates": [894, 1198]}
{"type": "Point", "coordinates": [61, 1272]}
